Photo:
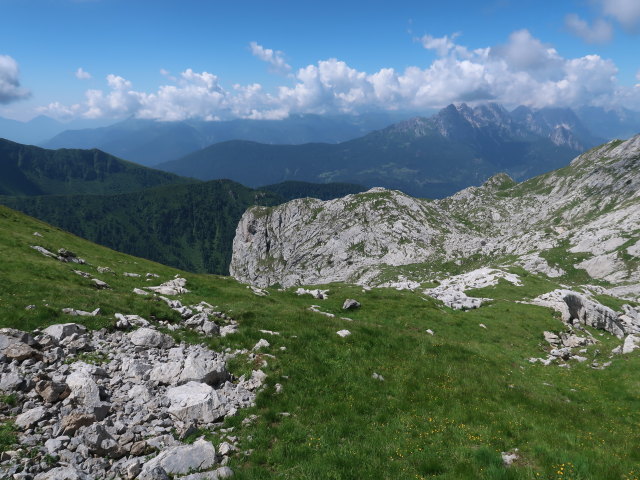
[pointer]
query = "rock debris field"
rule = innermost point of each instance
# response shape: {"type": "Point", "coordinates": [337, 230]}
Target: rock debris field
{"type": "Point", "coordinates": [115, 404]}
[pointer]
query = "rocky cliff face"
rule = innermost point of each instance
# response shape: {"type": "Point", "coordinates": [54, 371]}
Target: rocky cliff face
{"type": "Point", "coordinates": [589, 210]}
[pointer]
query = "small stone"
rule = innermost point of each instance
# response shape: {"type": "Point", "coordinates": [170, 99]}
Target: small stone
{"type": "Point", "coordinates": [99, 284]}
{"type": "Point", "coordinates": [509, 457]}
{"type": "Point", "coordinates": [72, 422]}
{"type": "Point", "coordinates": [61, 331]}
{"type": "Point", "coordinates": [262, 343]}
{"type": "Point", "coordinates": [20, 351]}
{"type": "Point", "coordinates": [350, 304]}
{"type": "Point", "coordinates": [62, 473]}
{"type": "Point", "coordinates": [29, 418]}
{"type": "Point", "coordinates": [147, 337]}
{"type": "Point", "coordinates": [194, 402]}
{"type": "Point", "coordinates": [343, 333]}
{"type": "Point", "coordinates": [184, 458]}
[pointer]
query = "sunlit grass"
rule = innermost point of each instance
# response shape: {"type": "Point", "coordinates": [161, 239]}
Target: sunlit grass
{"type": "Point", "coordinates": [449, 404]}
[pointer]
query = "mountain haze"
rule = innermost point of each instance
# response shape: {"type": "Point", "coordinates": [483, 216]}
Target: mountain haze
{"type": "Point", "coordinates": [150, 142]}
{"type": "Point", "coordinates": [428, 157]}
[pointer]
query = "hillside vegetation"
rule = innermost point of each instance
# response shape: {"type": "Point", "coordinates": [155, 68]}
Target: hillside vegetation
{"type": "Point", "coordinates": [29, 170]}
{"type": "Point", "coordinates": [450, 401]}
{"type": "Point", "coordinates": [188, 226]}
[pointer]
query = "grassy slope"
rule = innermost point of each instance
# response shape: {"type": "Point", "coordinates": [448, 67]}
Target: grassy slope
{"type": "Point", "coordinates": [450, 403]}
{"type": "Point", "coordinates": [186, 226]}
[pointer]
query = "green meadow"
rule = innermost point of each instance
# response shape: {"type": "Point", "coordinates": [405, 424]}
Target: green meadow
{"type": "Point", "coordinates": [449, 403]}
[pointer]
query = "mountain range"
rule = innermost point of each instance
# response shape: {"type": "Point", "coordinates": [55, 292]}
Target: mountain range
{"type": "Point", "coordinates": [42, 128]}
{"type": "Point", "coordinates": [428, 157]}
{"type": "Point", "coordinates": [150, 142]}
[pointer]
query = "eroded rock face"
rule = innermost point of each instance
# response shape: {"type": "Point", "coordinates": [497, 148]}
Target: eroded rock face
{"type": "Point", "coordinates": [307, 241]}
{"type": "Point", "coordinates": [576, 307]}
{"type": "Point", "coordinates": [357, 238]}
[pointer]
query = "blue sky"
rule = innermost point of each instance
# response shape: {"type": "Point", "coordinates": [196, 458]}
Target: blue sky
{"type": "Point", "coordinates": [171, 60]}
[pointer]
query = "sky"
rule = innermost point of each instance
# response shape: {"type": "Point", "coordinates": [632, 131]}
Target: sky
{"type": "Point", "coordinates": [217, 60]}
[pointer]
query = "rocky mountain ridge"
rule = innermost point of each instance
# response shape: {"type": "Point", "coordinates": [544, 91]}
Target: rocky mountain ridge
{"type": "Point", "coordinates": [588, 210]}
{"type": "Point", "coordinates": [427, 157]}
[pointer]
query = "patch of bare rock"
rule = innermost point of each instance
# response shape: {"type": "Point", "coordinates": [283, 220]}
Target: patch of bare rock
{"type": "Point", "coordinates": [114, 405]}
{"type": "Point", "coordinates": [578, 310]}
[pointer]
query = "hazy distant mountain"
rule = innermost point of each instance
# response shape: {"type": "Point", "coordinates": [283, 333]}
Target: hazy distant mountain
{"type": "Point", "coordinates": [150, 142]}
{"type": "Point", "coordinates": [433, 157]}
{"type": "Point", "coordinates": [41, 128]}
{"type": "Point", "coordinates": [619, 123]}
{"type": "Point", "coordinates": [29, 170]}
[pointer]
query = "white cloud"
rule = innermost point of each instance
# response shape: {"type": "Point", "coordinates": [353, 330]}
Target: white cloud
{"type": "Point", "coordinates": [442, 45]}
{"type": "Point", "coordinates": [600, 32]}
{"type": "Point", "coordinates": [523, 70]}
{"type": "Point", "coordinates": [273, 58]}
{"type": "Point", "coordinates": [82, 75]}
{"type": "Point", "coordinates": [10, 89]}
{"type": "Point", "coordinates": [627, 12]}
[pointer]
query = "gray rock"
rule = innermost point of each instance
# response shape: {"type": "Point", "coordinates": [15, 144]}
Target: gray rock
{"type": "Point", "coordinates": [194, 402]}
{"type": "Point", "coordinates": [62, 473]}
{"type": "Point", "coordinates": [350, 304]}
{"type": "Point", "coordinates": [99, 284]}
{"type": "Point", "coordinates": [593, 314]}
{"type": "Point", "coordinates": [576, 307]}
{"type": "Point", "coordinates": [184, 458]}
{"type": "Point", "coordinates": [80, 313]}
{"type": "Point", "coordinates": [52, 391]}
{"type": "Point", "coordinates": [147, 337]}
{"type": "Point", "coordinates": [53, 445]}
{"type": "Point", "coordinates": [217, 474]}
{"type": "Point", "coordinates": [203, 366]}
{"type": "Point", "coordinates": [11, 381]}
{"type": "Point", "coordinates": [11, 335]}
{"type": "Point", "coordinates": [100, 442]}
{"type": "Point", "coordinates": [262, 343]}
{"type": "Point", "coordinates": [31, 417]}
{"type": "Point", "coordinates": [509, 457]}
{"type": "Point", "coordinates": [551, 338]}
{"type": "Point", "coordinates": [61, 331]}
{"type": "Point", "coordinates": [83, 387]}
{"type": "Point", "coordinates": [631, 343]}
{"type": "Point", "coordinates": [72, 422]}
{"type": "Point", "coordinates": [172, 287]}
{"type": "Point", "coordinates": [20, 351]}
{"type": "Point", "coordinates": [155, 473]}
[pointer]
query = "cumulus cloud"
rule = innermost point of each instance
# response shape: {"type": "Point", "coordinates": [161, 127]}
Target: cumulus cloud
{"type": "Point", "coordinates": [522, 70]}
{"type": "Point", "coordinates": [600, 31]}
{"type": "Point", "coordinates": [10, 89]}
{"type": "Point", "coordinates": [443, 45]}
{"type": "Point", "coordinates": [273, 58]}
{"type": "Point", "coordinates": [82, 75]}
{"type": "Point", "coordinates": [627, 12]}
